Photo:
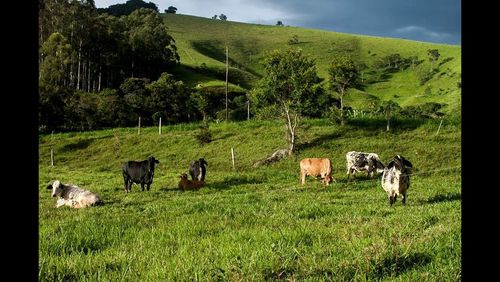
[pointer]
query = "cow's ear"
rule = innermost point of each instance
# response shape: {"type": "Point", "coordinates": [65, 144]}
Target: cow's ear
{"type": "Point", "coordinates": [391, 164]}
{"type": "Point", "coordinates": [50, 186]}
{"type": "Point", "coordinates": [407, 163]}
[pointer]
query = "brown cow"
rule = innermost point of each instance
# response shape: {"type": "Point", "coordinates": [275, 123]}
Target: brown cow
{"type": "Point", "coordinates": [186, 184]}
{"type": "Point", "coordinates": [317, 167]}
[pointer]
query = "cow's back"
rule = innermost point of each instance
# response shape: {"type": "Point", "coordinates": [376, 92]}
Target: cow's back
{"type": "Point", "coordinates": [135, 170]}
{"type": "Point", "coordinates": [316, 166]}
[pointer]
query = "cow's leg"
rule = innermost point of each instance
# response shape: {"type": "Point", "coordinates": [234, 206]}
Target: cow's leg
{"type": "Point", "coordinates": [303, 177]}
{"type": "Point", "coordinates": [147, 186]}
{"type": "Point", "coordinates": [403, 198]}
{"type": "Point", "coordinates": [126, 183]}
{"type": "Point", "coordinates": [142, 186]}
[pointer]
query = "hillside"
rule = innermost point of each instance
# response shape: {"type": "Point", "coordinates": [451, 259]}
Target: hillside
{"type": "Point", "coordinates": [253, 223]}
{"type": "Point", "coordinates": [201, 41]}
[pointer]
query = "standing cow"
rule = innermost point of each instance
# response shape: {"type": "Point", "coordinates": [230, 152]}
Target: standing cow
{"type": "Point", "coordinates": [361, 161]}
{"type": "Point", "coordinates": [197, 169]}
{"type": "Point", "coordinates": [396, 178]}
{"type": "Point", "coordinates": [317, 167]}
{"type": "Point", "coordinates": [139, 173]}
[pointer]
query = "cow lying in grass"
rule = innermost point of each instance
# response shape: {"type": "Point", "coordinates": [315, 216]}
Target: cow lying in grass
{"type": "Point", "coordinates": [317, 167]}
{"type": "Point", "coordinates": [186, 184]}
{"type": "Point", "coordinates": [73, 196]}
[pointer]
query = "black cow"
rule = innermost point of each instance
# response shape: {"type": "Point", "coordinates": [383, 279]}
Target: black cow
{"type": "Point", "coordinates": [197, 169]}
{"type": "Point", "coordinates": [396, 178]}
{"type": "Point", "coordinates": [139, 173]}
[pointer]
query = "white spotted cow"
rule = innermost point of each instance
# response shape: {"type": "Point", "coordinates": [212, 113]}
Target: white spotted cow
{"type": "Point", "coordinates": [396, 178]}
{"type": "Point", "coordinates": [73, 196]}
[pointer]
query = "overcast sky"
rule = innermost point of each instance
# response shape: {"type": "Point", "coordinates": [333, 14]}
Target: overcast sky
{"type": "Point", "coordinates": [436, 21]}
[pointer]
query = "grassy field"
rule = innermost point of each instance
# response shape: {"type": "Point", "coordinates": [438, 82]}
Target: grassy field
{"type": "Point", "coordinates": [253, 224]}
{"type": "Point", "coordinates": [202, 41]}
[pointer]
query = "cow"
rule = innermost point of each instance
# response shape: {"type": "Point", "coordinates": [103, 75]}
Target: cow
{"type": "Point", "coordinates": [186, 184]}
{"type": "Point", "coordinates": [360, 161]}
{"type": "Point", "coordinates": [197, 169]}
{"type": "Point", "coordinates": [317, 167]}
{"type": "Point", "coordinates": [396, 178]}
{"type": "Point", "coordinates": [139, 172]}
{"type": "Point", "coordinates": [73, 196]}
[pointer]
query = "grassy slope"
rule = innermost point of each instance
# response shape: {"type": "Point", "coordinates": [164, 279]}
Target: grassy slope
{"type": "Point", "coordinates": [201, 40]}
{"type": "Point", "coordinates": [252, 223]}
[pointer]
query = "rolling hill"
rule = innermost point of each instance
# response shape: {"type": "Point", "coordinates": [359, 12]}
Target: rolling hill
{"type": "Point", "coordinates": [201, 44]}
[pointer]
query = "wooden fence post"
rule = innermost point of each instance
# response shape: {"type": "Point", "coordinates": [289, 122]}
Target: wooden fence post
{"type": "Point", "coordinates": [159, 128]}
{"type": "Point", "coordinates": [232, 156]}
{"type": "Point", "coordinates": [439, 127]}
{"type": "Point", "coordinates": [52, 157]}
{"type": "Point", "coordinates": [139, 127]}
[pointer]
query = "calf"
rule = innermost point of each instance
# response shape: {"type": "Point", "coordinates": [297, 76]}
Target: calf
{"type": "Point", "coordinates": [139, 173]}
{"type": "Point", "coordinates": [317, 167]}
{"type": "Point", "coordinates": [197, 169]}
{"type": "Point", "coordinates": [396, 178]}
{"type": "Point", "coordinates": [73, 196]}
{"type": "Point", "coordinates": [360, 161]}
{"type": "Point", "coordinates": [186, 184]}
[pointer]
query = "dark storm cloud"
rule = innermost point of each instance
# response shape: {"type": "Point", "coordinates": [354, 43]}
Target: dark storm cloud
{"type": "Point", "coordinates": [425, 20]}
{"type": "Point", "coordinates": [436, 21]}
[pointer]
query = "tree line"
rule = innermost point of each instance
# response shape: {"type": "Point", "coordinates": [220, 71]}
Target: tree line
{"type": "Point", "coordinates": [100, 70]}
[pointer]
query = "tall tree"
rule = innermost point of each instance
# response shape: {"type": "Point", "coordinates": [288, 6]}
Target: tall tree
{"type": "Point", "coordinates": [433, 56]}
{"type": "Point", "coordinates": [342, 75]}
{"type": "Point", "coordinates": [389, 109]}
{"type": "Point", "coordinates": [291, 80]}
{"type": "Point", "coordinates": [171, 10]}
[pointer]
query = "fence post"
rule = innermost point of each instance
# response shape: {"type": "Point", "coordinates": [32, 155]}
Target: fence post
{"type": "Point", "coordinates": [439, 127]}
{"type": "Point", "coordinates": [139, 127]}
{"type": "Point", "coordinates": [232, 156]}
{"type": "Point", "coordinates": [248, 110]}
{"type": "Point", "coordinates": [52, 157]}
{"type": "Point", "coordinates": [159, 127]}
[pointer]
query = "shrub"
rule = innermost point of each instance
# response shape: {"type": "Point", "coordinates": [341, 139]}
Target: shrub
{"type": "Point", "coordinates": [204, 136]}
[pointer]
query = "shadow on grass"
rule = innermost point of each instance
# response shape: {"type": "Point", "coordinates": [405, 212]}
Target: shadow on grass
{"type": "Point", "coordinates": [82, 144]}
{"type": "Point", "coordinates": [397, 264]}
{"type": "Point", "coordinates": [379, 124]}
{"type": "Point", "coordinates": [444, 198]}
{"type": "Point", "coordinates": [229, 183]}
{"type": "Point", "coordinates": [318, 141]}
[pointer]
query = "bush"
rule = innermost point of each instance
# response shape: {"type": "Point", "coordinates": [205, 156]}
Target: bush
{"type": "Point", "coordinates": [204, 136]}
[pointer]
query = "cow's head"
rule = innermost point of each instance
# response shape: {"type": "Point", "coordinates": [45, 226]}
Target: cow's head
{"type": "Point", "coordinates": [328, 179]}
{"type": "Point", "coordinates": [56, 188]}
{"type": "Point", "coordinates": [202, 162]}
{"type": "Point", "coordinates": [400, 163]}
{"type": "Point", "coordinates": [152, 161]}
{"type": "Point", "coordinates": [379, 166]}
{"type": "Point", "coordinates": [183, 176]}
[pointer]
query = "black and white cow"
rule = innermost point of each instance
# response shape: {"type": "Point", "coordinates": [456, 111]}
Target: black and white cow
{"type": "Point", "coordinates": [73, 196]}
{"type": "Point", "coordinates": [197, 169]}
{"type": "Point", "coordinates": [360, 161]}
{"type": "Point", "coordinates": [396, 178]}
{"type": "Point", "coordinates": [139, 173]}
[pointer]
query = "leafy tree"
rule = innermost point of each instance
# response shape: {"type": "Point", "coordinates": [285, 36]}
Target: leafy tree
{"type": "Point", "coordinates": [389, 109]}
{"type": "Point", "coordinates": [171, 10]}
{"type": "Point", "coordinates": [279, 23]}
{"type": "Point", "coordinates": [291, 79]}
{"type": "Point", "coordinates": [169, 97]}
{"type": "Point", "coordinates": [342, 76]}
{"type": "Point", "coordinates": [127, 8]}
{"type": "Point", "coordinates": [57, 55]}
{"type": "Point", "coordinates": [214, 17]}
{"type": "Point", "coordinates": [222, 17]}
{"type": "Point", "coordinates": [433, 56]}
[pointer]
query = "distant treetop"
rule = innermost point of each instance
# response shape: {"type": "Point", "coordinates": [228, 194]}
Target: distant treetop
{"type": "Point", "coordinates": [128, 7]}
{"type": "Point", "coordinates": [171, 10]}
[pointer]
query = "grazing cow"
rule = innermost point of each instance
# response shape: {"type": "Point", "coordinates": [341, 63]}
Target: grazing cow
{"type": "Point", "coordinates": [360, 161]}
{"type": "Point", "coordinates": [317, 167]}
{"type": "Point", "coordinates": [139, 173]}
{"type": "Point", "coordinates": [197, 169]}
{"type": "Point", "coordinates": [186, 184]}
{"type": "Point", "coordinates": [396, 178]}
{"type": "Point", "coordinates": [73, 196]}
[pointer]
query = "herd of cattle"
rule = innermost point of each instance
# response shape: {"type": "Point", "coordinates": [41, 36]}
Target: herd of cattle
{"type": "Point", "coordinates": [395, 177]}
